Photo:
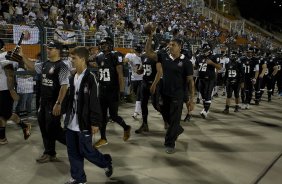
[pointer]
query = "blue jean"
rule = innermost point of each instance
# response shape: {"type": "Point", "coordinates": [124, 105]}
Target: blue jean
{"type": "Point", "coordinates": [24, 103]}
{"type": "Point", "coordinates": [79, 146]}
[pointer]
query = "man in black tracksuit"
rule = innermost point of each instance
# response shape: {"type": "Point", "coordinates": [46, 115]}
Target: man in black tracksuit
{"type": "Point", "coordinates": [83, 118]}
{"type": "Point", "coordinates": [54, 86]}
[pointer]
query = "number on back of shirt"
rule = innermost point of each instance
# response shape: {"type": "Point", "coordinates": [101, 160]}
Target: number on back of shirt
{"type": "Point", "coordinates": [232, 73]}
{"type": "Point", "coordinates": [247, 68]}
{"type": "Point", "coordinates": [203, 67]}
{"type": "Point", "coordinates": [104, 74]}
{"type": "Point", "coordinates": [147, 70]}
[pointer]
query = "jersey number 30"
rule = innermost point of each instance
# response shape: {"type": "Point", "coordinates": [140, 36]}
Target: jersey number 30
{"type": "Point", "coordinates": [105, 75]}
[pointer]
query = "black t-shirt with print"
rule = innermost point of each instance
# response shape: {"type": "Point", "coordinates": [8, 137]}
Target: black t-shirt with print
{"type": "Point", "coordinates": [175, 73]}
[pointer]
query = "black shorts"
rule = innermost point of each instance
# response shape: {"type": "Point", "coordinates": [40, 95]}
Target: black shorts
{"type": "Point", "coordinates": [6, 104]}
{"type": "Point", "coordinates": [232, 87]}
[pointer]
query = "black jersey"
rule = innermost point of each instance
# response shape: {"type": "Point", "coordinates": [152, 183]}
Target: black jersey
{"type": "Point", "coordinates": [261, 62]}
{"type": "Point", "coordinates": [54, 74]}
{"type": "Point", "coordinates": [270, 63]}
{"type": "Point", "coordinates": [250, 66]}
{"type": "Point", "coordinates": [206, 71]}
{"type": "Point", "coordinates": [107, 63]}
{"type": "Point", "coordinates": [174, 74]}
{"type": "Point", "coordinates": [278, 61]}
{"type": "Point", "coordinates": [234, 72]}
{"type": "Point", "coordinates": [150, 70]}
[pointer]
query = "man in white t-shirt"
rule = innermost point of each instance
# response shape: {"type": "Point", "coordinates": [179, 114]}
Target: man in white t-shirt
{"type": "Point", "coordinates": [135, 63]}
{"type": "Point", "coordinates": [8, 96]}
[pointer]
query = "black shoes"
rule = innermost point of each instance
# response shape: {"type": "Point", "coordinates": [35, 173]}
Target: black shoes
{"type": "Point", "coordinates": [109, 169]}
{"type": "Point", "coordinates": [188, 117]}
{"type": "Point", "coordinates": [143, 128]}
{"type": "Point", "coordinates": [226, 111]}
{"type": "Point", "coordinates": [236, 108]}
{"type": "Point", "coordinates": [47, 158]}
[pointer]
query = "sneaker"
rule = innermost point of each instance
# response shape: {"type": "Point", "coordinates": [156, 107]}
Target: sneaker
{"type": "Point", "coordinates": [109, 169]}
{"type": "Point", "coordinates": [256, 102]}
{"type": "Point", "coordinates": [243, 106]}
{"type": "Point", "coordinates": [188, 117]}
{"type": "Point", "coordinates": [126, 133]}
{"type": "Point", "coordinates": [198, 100]}
{"type": "Point", "coordinates": [134, 115]}
{"type": "Point", "coordinates": [143, 128]}
{"type": "Point", "coordinates": [204, 114]}
{"type": "Point", "coordinates": [169, 150]}
{"type": "Point", "coordinates": [43, 159]}
{"type": "Point", "coordinates": [101, 142]}
{"type": "Point", "coordinates": [27, 131]}
{"type": "Point", "coordinates": [247, 106]}
{"type": "Point", "coordinates": [226, 111]}
{"type": "Point", "coordinates": [180, 131]}
{"type": "Point", "coordinates": [3, 141]}
{"type": "Point", "coordinates": [236, 108]}
{"type": "Point", "coordinates": [73, 181]}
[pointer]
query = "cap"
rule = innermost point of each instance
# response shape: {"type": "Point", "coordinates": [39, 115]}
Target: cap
{"type": "Point", "coordinates": [52, 44]}
{"type": "Point", "coordinates": [138, 48]}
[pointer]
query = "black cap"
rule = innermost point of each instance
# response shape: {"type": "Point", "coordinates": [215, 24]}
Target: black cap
{"type": "Point", "coordinates": [52, 44]}
{"type": "Point", "coordinates": [138, 48]}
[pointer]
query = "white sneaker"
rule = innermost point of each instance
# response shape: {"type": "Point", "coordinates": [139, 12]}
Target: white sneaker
{"type": "Point", "coordinates": [243, 106]}
{"type": "Point", "coordinates": [247, 106]}
{"type": "Point", "coordinates": [134, 115]}
{"type": "Point", "coordinates": [72, 181]}
{"type": "Point", "coordinates": [204, 114]}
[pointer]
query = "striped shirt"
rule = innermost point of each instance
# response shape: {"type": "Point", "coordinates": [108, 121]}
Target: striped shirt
{"type": "Point", "coordinates": [25, 83]}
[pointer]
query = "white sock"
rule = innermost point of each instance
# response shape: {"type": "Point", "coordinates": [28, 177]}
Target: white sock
{"type": "Point", "coordinates": [138, 107]}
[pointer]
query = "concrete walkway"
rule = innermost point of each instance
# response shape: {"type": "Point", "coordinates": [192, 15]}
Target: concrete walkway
{"type": "Point", "coordinates": [239, 148]}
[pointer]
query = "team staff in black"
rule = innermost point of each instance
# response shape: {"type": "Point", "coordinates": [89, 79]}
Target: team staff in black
{"type": "Point", "coordinates": [177, 73]}
{"type": "Point", "coordinates": [234, 80]}
{"type": "Point", "coordinates": [83, 117]}
{"type": "Point", "coordinates": [111, 84]}
{"type": "Point", "coordinates": [206, 64]}
{"type": "Point", "coordinates": [54, 86]}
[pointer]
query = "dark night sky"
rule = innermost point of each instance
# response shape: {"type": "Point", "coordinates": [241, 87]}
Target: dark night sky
{"type": "Point", "coordinates": [264, 10]}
